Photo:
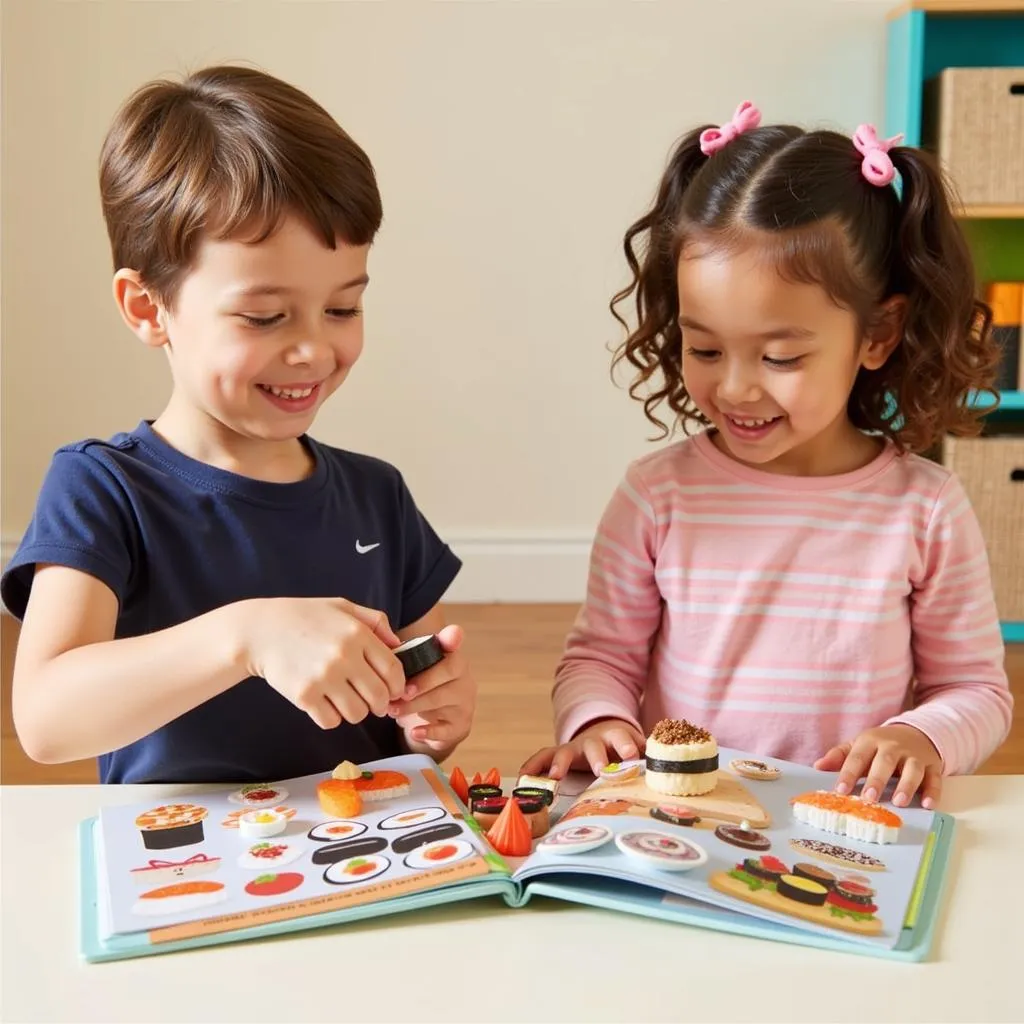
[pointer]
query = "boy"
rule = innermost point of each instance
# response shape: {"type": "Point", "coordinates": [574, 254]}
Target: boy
{"type": "Point", "coordinates": [210, 596]}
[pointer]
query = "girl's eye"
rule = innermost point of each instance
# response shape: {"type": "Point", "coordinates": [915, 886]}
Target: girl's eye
{"type": "Point", "coordinates": [784, 364]}
{"type": "Point", "coordinates": [261, 321]}
{"type": "Point", "coordinates": [702, 353]}
{"type": "Point", "coordinates": [344, 314]}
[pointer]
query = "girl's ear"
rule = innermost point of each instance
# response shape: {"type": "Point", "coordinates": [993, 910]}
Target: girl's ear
{"type": "Point", "coordinates": [139, 309]}
{"type": "Point", "coordinates": [885, 332]}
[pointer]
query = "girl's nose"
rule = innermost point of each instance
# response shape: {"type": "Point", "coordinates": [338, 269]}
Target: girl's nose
{"type": "Point", "coordinates": [737, 386]}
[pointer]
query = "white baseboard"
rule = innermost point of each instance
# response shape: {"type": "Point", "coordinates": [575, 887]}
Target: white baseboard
{"type": "Point", "coordinates": [501, 568]}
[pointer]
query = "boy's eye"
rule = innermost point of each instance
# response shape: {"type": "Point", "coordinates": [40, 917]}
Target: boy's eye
{"type": "Point", "coordinates": [784, 364]}
{"type": "Point", "coordinates": [261, 321]}
{"type": "Point", "coordinates": [344, 314]}
{"type": "Point", "coordinates": [702, 353]}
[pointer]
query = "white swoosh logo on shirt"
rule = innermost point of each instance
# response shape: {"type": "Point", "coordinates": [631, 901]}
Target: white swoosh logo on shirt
{"type": "Point", "coordinates": [363, 548]}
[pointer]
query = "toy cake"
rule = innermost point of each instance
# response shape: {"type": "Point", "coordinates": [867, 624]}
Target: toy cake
{"type": "Point", "coordinates": [847, 816]}
{"type": "Point", "coordinates": [681, 759]}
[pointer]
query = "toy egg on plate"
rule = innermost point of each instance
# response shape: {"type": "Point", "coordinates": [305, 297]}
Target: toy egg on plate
{"type": "Point", "coordinates": [259, 824]}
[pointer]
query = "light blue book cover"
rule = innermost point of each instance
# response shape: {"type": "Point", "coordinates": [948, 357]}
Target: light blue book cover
{"type": "Point", "coordinates": [196, 872]}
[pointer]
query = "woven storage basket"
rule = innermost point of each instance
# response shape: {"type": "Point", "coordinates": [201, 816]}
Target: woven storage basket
{"type": "Point", "coordinates": [991, 470]}
{"type": "Point", "coordinates": [973, 118]}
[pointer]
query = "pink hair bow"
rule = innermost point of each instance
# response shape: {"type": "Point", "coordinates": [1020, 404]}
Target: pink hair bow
{"type": "Point", "coordinates": [876, 166]}
{"type": "Point", "coordinates": [747, 116]}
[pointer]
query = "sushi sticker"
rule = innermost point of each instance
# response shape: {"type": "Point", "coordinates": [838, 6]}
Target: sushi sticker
{"type": "Point", "coordinates": [447, 851]}
{"type": "Point", "coordinates": [268, 854]}
{"type": "Point", "coordinates": [274, 885]}
{"type": "Point", "coordinates": [665, 852]}
{"type": "Point", "coordinates": [808, 892]}
{"type": "Point", "coordinates": [179, 898]}
{"type": "Point", "coordinates": [157, 872]}
{"type": "Point", "coordinates": [259, 795]}
{"type": "Point", "coordinates": [365, 846]}
{"type": "Point", "coordinates": [231, 821]}
{"type": "Point", "coordinates": [575, 839]}
{"type": "Point", "coordinates": [356, 869]}
{"type": "Point", "coordinates": [424, 836]}
{"type": "Point", "coordinates": [331, 831]}
{"type": "Point", "coordinates": [419, 816]}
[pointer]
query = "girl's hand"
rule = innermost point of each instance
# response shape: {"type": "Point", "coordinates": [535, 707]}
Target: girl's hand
{"type": "Point", "coordinates": [328, 656]}
{"type": "Point", "coordinates": [593, 747]}
{"type": "Point", "coordinates": [437, 710]}
{"type": "Point", "coordinates": [878, 754]}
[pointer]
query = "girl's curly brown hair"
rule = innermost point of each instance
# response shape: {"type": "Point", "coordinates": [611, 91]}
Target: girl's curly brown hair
{"type": "Point", "coordinates": [802, 197]}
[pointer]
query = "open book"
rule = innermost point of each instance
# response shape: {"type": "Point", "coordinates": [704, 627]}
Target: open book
{"type": "Point", "coordinates": [243, 862]}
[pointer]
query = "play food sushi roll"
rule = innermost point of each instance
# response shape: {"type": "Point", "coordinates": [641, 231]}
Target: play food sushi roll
{"type": "Point", "coordinates": [681, 759]}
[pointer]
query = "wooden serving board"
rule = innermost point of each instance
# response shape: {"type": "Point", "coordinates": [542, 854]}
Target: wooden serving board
{"type": "Point", "coordinates": [729, 801]}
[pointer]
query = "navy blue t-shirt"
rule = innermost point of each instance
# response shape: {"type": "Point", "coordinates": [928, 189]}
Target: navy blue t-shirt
{"type": "Point", "coordinates": [174, 538]}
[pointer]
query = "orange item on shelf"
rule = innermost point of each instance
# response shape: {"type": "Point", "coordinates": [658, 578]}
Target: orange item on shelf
{"type": "Point", "coordinates": [458, 782]}
{"type": "Point", "coordinates": [339, 798]}
{"type": "Point", "coordinates": [493, 778]}
{"type": "Point", "coordinates": [511, 835]}
{"type": "Point", "coordinates": [477, 779]}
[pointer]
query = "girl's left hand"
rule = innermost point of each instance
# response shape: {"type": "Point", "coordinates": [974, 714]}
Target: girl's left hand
{"type": "Point", "coordinates": [881, 753]}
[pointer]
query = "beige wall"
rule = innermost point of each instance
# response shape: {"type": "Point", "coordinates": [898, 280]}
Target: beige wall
{"type": "Point", "coordinates": [514, 143]}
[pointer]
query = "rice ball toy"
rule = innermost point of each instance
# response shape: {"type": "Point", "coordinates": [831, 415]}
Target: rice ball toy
{"type": "Point", "coordinates": [681, 759]}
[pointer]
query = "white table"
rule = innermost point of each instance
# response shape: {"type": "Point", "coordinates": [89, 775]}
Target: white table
{"type": "Point", "coordinates": [590, 965]}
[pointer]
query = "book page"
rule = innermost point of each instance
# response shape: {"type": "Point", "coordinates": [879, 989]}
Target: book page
{"type": "Point", "coordinates": [185, 867]}
{"type": "Point", "coordinates": [741, 847]}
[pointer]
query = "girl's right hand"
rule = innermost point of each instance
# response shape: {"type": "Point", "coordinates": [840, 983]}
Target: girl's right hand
{"type": "Point", "coordinates": [328, 656]}
{"type": "Point", "coordinates": [600, 743]}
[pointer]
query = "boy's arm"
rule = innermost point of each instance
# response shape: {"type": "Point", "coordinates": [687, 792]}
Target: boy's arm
{"type": "Point", "coordinates": [963, 702]}
{"type": "Point", "coordinates": [603, 671]}
{"type": "Point", "coordinates": [79, 693]}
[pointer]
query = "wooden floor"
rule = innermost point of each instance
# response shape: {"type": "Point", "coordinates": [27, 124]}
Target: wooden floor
{"type": "Point", "coordinates": [513, 649]}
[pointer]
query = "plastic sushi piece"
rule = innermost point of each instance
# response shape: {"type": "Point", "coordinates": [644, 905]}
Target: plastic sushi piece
{"type": "Point", "coordinates": [493, 777]}
{"type": "Point", "coordinates": [458, 783]}
{"type": "Point", "coordinates": [339, 798]}
{"type": "Point", "coordinates": [511, 835]}
{"type": "Point", "coordinates": [477, 779]}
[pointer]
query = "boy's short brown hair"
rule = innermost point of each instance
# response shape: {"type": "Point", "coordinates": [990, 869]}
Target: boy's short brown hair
{"type": "Point", "coordinates": [226, 152]}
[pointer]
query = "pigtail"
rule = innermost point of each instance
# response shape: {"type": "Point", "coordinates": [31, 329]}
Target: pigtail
{"type": "Point", "coordinates": [947, 350]}
{"type": "Point", "coordinates": [649, 246]}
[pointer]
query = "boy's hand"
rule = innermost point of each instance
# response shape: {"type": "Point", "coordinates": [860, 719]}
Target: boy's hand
{"type": "Point", "coordinates": [593, 747]}
{"type": "Point", "coordinates": [436, 712]}
{"type": "Point", "coordinates": [328, 656]}
{"type": "Point", "coordinates": [881, 753]}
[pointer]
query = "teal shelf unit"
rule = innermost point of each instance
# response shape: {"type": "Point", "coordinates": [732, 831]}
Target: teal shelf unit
{"type": "Point", "coordinates": [924, 37]}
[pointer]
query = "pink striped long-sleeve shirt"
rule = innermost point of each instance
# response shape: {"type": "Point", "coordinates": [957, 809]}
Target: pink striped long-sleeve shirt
{"type": "Point", "coordinates": [789, 614]}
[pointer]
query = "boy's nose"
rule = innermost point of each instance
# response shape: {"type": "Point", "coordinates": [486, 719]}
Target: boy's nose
{"type": "Point", "coordinates": [310, 348]}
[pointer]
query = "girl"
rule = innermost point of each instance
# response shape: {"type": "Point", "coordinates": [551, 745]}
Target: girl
{"type": "Point", "coordinates": [795, 578]}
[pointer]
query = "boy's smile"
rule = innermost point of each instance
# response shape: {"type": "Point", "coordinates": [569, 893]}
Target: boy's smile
{"type": "Point", "coordinates": [259, 335]}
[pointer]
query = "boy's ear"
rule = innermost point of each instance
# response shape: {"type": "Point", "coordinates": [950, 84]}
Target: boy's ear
{"type": "Point", "coordinates": [885, 333]}
{"type": "Point", "coordinates": [143, 314]}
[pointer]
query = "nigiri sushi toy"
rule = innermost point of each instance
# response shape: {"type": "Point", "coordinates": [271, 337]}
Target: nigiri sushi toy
{"type": "Point", "coordinates": [261, 823]}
